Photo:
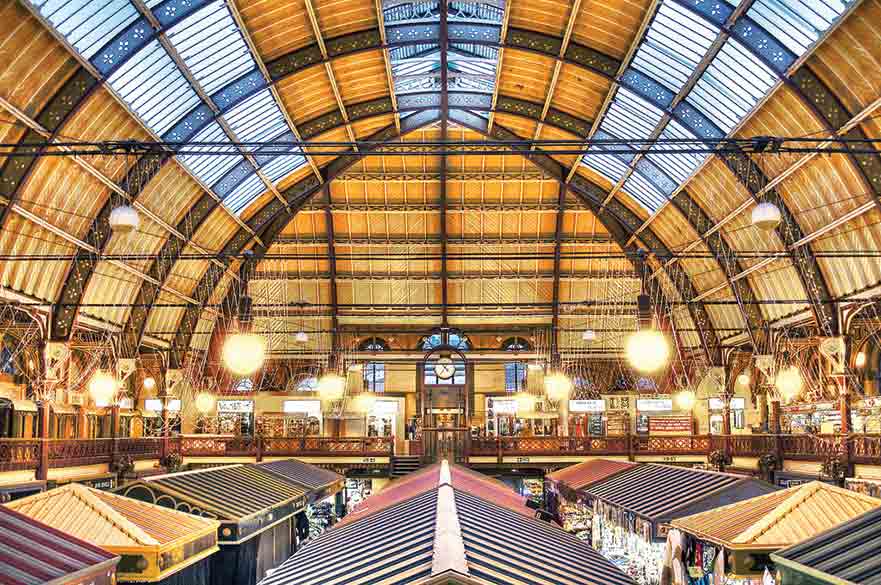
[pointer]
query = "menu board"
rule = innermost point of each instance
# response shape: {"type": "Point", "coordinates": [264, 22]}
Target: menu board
{"type": "Point", "coordinates": [670, 424]}
{"type": "Point", "coordinates": [616, 425]}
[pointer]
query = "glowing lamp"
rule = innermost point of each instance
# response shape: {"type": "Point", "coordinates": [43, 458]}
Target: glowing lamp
{"type": "Point", "coordinates": [766, 216]}
{"type": "Point", "coordinates": [789, 382]}
{"type": "Point", "coordinates": [535, 366]}
{"type": "Point", "coordinates": [331, 387]}
{"type": "Point", "coordinates": [102, 387]}
{"type": "Point", "coordinates": [243, 353]}
{"type": "Point", "coordinates": [124, 219]}
{"type": "Point", "coordinates": [525, 402]}
{"type": "Point", "coordinates": [364, 402]}
{"type": "Point", "coordinates": [301, 337]}
{"type": "Point", "coordinates": [743, 379]}
{"type": "Point", "coordinates": [356, 367]}
{"type": "Point", "coordinates": [685, 399]}
{"type": "Point", "coordinates": [205, 402]}
{"type": "Point", "coordinates": [558, 386]}
{"type": "Point", "coordinates": [860, 359]}
{"type": "Point", "coordinates": [647, 350]}
{"type": "Point", "coordinates": [588, 335]}
{"type": "Point", "coordinates": [149, 383]}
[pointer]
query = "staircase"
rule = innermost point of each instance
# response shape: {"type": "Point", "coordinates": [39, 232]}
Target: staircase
{"type": "Point", "coordinates": [404, 464]}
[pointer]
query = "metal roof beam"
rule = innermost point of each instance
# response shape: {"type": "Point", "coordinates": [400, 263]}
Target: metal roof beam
{"type": "Point", "coordinates": [380, 18]}
{"type": "Point", "coordinates": [501, 54]}
{"type": "Point", "coordinates": [332, 275]}
{"type": "Point", "coordinates": [555, 292]}
{"type": "Point", "coordinates": [445, 115]}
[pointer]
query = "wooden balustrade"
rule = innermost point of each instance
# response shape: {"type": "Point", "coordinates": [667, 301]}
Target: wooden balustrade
{"type": "Point", "coordinates": [19, 454]}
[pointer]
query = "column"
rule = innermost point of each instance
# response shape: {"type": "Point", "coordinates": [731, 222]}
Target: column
{"type": "Point", "coordinates": [42, 472]}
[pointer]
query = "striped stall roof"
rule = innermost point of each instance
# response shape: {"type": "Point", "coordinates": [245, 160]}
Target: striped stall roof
{"type": "Point", "coordinates": [232, 492]}
{"type": "Point", "coordinates": [653, 491]}
{"type": "Point", "coordinates": [588, 472]}
{"type": "Point", "coordinates": [778, 519]}
{"type": "Point", "coordinates": [311, 476]}
{"type": "Point", "coordinates": [390, 547]}
{"type": "Point", "coordinates": [447, 535]}
{"type": "Point", "coordinates": [32, 553]}
{"type": "Point", "coordinates": [844, 555]}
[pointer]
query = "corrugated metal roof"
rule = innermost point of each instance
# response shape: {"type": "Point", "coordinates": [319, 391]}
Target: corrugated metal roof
{"type": "Point", "coordinates": [107, 519]}
{"type": "Point", "coordinates": [845, 554]}
{"type": "Point", "coordinates": [233, 492]}
{"type": "Point", "coordinates": [655, 490]}
{"type": "Point", "coordinates": [778, 519]}
{"type": "Point", "coordinates": [588, 472]}
{"type": "Point", "coordinates": [311, 476]}
{"type": "Point", "coordinates": [32, 553]}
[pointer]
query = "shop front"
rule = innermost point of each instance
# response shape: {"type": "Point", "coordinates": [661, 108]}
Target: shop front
{"type": "Point", "coordinates": [18, 419]}
{"type": "Point", "coordinates": [733, 544]}
{"type": "Point", "coordinates": [657, 417]}
{"type": "Point", "coordinates": [737, 413]}
{"type": "Point", "coordinates": [299, 418]}
{"type": "Point", "coordinates": [507, 417]}
{"type": "Point", "coordinates": [822, 417]}
{"type": "Point", "coordinates": [587, 418]}
{"type": "Point", "coordinates": [632, 510]}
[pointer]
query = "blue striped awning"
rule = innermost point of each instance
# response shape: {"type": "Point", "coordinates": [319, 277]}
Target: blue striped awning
{"type": "Point", "coordinates": [311, 476]}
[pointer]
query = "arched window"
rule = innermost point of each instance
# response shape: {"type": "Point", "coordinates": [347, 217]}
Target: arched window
{"type": "Point", "coordinates": [515, 372]}
{"type": "Point", "coordinates": [309, 384]}
{"type": "Point", "coordinates": [374, 372]}
{"type": "Point", "coordinates": [455, 339]}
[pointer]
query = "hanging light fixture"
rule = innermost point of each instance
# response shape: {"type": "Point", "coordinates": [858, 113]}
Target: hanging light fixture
{"type": "Point", "coordinates": [789, 382]}
{"type": "Point", "coordinates": [243, 351]}
{"type": "Point", "coordinates": [124, 220]}
{"type": "Point", "coordinates": [301, 337]}
{"type": "Point", "coordinates": [743, 379]}
{"type": "Point", "coordinates": [685, 399]}
{"type": "Point", "coordinates": [331, 387]}
{"type": "Point", "coordinates": [103, 387]}
{"type": "Point", "coordinates": [149, 383]}
{"type": "Point", "coordinates": [355, 367]}
{"type": "Point", "coordinates": [535, 366]}
{"type": "Point", "coordinates": [588, 335]}
{"type": "Point", "coordinates": [766, 216]}
{"type": "Point", "coordinates": [558, 386]}
{"type": "Point", "coordinates": [647, 349]}
{"type": "Point", "coordinates": [205, 402]}
{"type": "Point", "coordinates": [860, 359]}
{"type": "Point", "coordinates": [364, 402]}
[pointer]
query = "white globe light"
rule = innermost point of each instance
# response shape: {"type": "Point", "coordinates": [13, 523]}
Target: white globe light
{"type": "Point", "coordinates": [743, 379]}
{"type": "Point", "coordinates": [860, 360]}
{"type": "Point", "coordinates": [149, 383]}
{"type": "Point", "coordinates": [102, 387]}
{"type": "Point", "coordinates": [766, 216]}
{"type": "Point", "coordinates": [685, 400]}
{"type": "Point", "coordinates": [525, 402]}
{"type": "Point", "coordinates": [243, 353]}
{"type": "Point", "coordinates": [558, 386]}
{"type": "Point", "coordinates": [364, 402]}
{"type": "Point", "coordinates": [789, 382]}
{"type": "Point", "coordinates": [588, 335]}
{"type": "Point", "coordinates": [301, 337]}
{"type": "Point", "coordinates": [205, 402]}
{"type": "Point", "coordinates": [124, 219]}
{"type": "Point", "coordinates": [331, 387]}
{"type": "Point", "coordinates": [647, 350]}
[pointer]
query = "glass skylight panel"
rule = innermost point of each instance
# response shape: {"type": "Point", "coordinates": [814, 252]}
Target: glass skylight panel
{"type": "Point", "coordinates": [630, 116]}
{"type": "Point", "coordinates": [644, 192]}
{"type": "Point", "coordinates": [212, 47]}
{"type": "Point", "coordinates": [674, 45]}
{"type": "Point", "coordinates": [154, 88]}
{"type": "Point", "coordinates": [280, 167]}
{"type": "Point", "coordinates": [257, 119]}
{"type": "Point", "coordinates": [608, 165]}
{"type": "Point", "coordinates": [209, 168]}
{"type": "Point", "coordinates": [88, 25]}
{"type": "Point", "coordinates": [244, 193]}
{"type": "Point", "coordinates": [797, 23]}
{"type": "Point", "coordinates": [678, 166]}
{"type": "Point", "coordinates": [732, 86]}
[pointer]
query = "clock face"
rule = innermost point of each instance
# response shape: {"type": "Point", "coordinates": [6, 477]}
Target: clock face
{"type": "Point", "coordinates": [445, 368]}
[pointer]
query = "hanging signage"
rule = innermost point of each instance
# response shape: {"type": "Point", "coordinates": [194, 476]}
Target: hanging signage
{"type": "Point", "coordinates": [307, 407]}
{"type": "Point", "coordinates": [670, 424]}
{"type": "Point", "coordinates": [737, 403]}
{"type": "Point", "coordinates": [587, 406]}
{"type": "Point", "coordinates": [381, 407]}
{"type": "Point", "coordinates": [654, 404]}
{"type": "Point", "coordinates": [246, 406]}
{"type": "Point", "coordinates": [502, 406]}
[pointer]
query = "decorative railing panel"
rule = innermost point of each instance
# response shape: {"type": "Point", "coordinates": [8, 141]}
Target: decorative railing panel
{"type": "Point", "coordinates": [70, 452]}
{"type": "Point", "coordinates": [19, 454]}
{"type": "Point", "coordinates": [675, 445]}
{"type": "Point", "coordinates": [865, 449]}
{"type": "Point", "coordinates": [810, 447]}
{"type": "Point", "coordinates": [140, 448]}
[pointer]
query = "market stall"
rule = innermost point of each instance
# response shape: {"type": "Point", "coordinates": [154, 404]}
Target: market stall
{"type": "Point", "coordinates": [844, 555]}
{"type": "Point", "coordinates": [732, 544]}
{"type": "Point", "coordinates": [18, 419]}
{"type": "Point", "coordinates": [255, 508]}
{"type": "Point", "coordinates": [446, 533]}
{"type": "Point", "coordinates": [156, 545]}
{"type": "Point", "coordinates": [41, 554]}
{"type": "Point", "coordinates": [633, 508]}
{"type": "Point", "coordinates": [564, 500]}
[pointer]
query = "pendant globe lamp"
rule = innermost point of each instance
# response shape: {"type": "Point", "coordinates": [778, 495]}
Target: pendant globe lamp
{"type": "Point", "coordinates": [243, 351]}
{"type": "Point", "coordinates": [766, 216]}
{"type": "Point", "coordinates": [647, 349]}
{"type": "Point", "coordinates": [102, 387]}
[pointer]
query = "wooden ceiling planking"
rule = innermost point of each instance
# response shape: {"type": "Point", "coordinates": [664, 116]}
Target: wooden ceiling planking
{"type": "Point", "coordinates": [673, 229]}
{"type": "Point", "coordinates": [215, 230]}
{"type": "Point", "coordinates": [335, 135]}
{"type": "Point", "coordinates": [108, 286]}
{"type": "Point", "coordinates": [580, 92]}
{"type": "Point", "coordinates": [40, 279]}
{"type": "Point", "coordinates": [849, 275]}
{"type": "Point", "coordinates": [307, 94]}
{"type": "Point", "coordinates": [549, 132]}
{"type": "Point", "coordinates": [526, 75]}
{"type": "Point", "coordinates": [277, 27]}
{"type": "Point", "coordinates": [340, 17]}
{"type": "Point", "coordinates": [361, 77]}
{"type": "Point", "coordinates": [368, 126]}
{"type": "Point", "coordinates": [547, 16]}
{"type": "Point", "coordinates": [170, 193]}
{"type": "Point", "coordinates": [35, 65]}
{"type": "Point", "coordinates": [610, 26]}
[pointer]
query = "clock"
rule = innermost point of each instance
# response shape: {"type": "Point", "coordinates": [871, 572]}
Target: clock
{"type": "Point", "coordinates": [444, 368]}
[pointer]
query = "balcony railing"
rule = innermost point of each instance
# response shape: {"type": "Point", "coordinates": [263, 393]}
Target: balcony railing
{"type": "Point", "coordinates": [37, 454]}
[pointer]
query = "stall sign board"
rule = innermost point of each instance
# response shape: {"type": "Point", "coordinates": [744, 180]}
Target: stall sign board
{"type": "Point", "coordinates": [738, 403]}
{"type": "Point", "coordinates": [502, 406]}
{"type": "Point", "coordinates": [155, 405]}
{"type": "Point", "coordinates": [670, 424]}
{"type": "Point", "coordinates": [381, 407]}
{"type": "Point", "coordinates": [307, 407]}
{"type": "Point", "coordinates": [654, 404]}
{"type": "Point", "coordinates": [235, 406]}
{"type": "Point", "coordinates": [587, 406]}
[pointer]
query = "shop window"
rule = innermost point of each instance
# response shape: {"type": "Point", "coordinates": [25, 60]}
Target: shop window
{"type": "Point", "coordinates": [515, 372]}
{"type": "Point", "coordinates": [374, 372]}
